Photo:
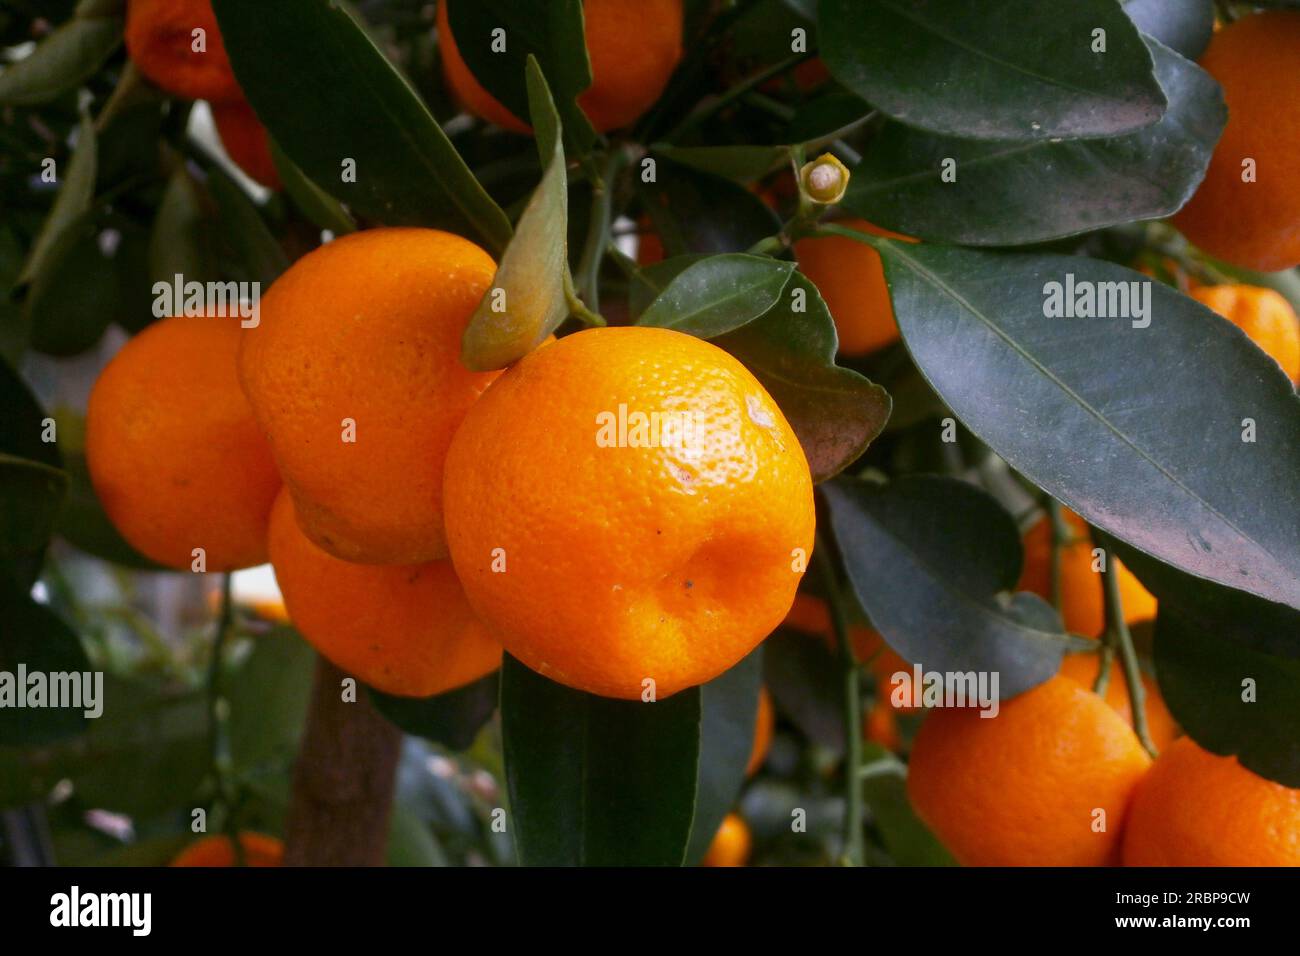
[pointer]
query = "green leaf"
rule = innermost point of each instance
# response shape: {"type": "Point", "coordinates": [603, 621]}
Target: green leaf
{"type": "Point", "coordinates": [1015, 193]}
{"type": "Point", "coordinates": [76, 191]}
{"type": "Point", "coordinates": [1182, 25]}
{"type": "Point", "coordinates": [595, 781]}
{"type": "Point", "coordinates": [38, 639]}
{"type": "Point", "coordinates": [301, 60]}
{"type": "Point", "coordinates": [728, 712]}
{"type": "Point", "coordinates": [31, 494]}
{"type": "Point", "coordinates": [245, 230]}
{"type": "Point", "coordinates": [531, 278]}
{"type": "Point", "coordinates": [1140, 430]}
{"type": "Point", "coordinates": [1018, 69]}
{"type": "Point", "coordinates": [321, 209]}
{"type": "Point", "coordinates": [699, 212]}
{"type": "Point", "coordinates": [64, 59]}
{"type": "Point", "coordinates": [552, 33]}
{"type": "Point", "coordinates": [23, 423]}
{"type": "Point", "coordinates": [268, 694]}
{"type": "Point", "coordinates": [835, 411]}
{"type": "Point", "coordinates": [182, 242]}
{"type": "Point", "coordinates": [719, 294]}
{"type": "Point", "coordinates": [908, 840]}
{"type": "Point", "coordinates": [69, 303]}
{"type": "Point", "coordinates": [927, 558]}
{"type": "Point", "coordinates": [452, 719]}
{"type": "Point", "coordinates": [807, 682]}
{"type": "Point", "coordinates": [740, 163]}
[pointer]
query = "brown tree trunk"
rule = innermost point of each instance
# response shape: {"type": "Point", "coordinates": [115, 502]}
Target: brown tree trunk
{"type": "Point", "coordinates": [343, 780]}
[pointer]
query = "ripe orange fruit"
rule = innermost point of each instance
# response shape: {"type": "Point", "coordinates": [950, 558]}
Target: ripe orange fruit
{"type": "Point", "coordinates": [628, 504]}
{"type": "Point", "coordinates": [1023, 788]}
{"type": "Point", "coordinates": [731, 844]}
{"type": "Point", "coordinates": [634, 46]}
{"type": "Point", "coordinates": [1264, 315]}
{"type": "Point", "coordinates": [1255, 224]}
{"type": "Point", "coordinates": [764, 726]}
{"type": "Point", "coordinates": [1083, 597]}
{"type": "Point", "coordinates": [1083, 669]}
{"type": "Point", "coordinates": [1198, 809]}
{"type": "Point", "coordinates": [174, 453]}
{"type": "Point", "coordinates": [259, 850]}
{"type": "Point", "coordinates": [880, 726]}
{"type": "Point", "coordinates": [851, 278]}
{"type": "Point", "coordinates": [361, 339]}
{"type": "Point", "coordinates": [160, 41]}
{"type": "Point", "coordinates": [246, 141]}
{"type": "Point", "coordinates": [404, 629]}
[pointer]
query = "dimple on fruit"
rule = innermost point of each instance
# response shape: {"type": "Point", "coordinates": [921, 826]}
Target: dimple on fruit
{"type": "Point", "coordinates": [1196, 808]}
{"type": "Point", "coordinates": [634, 45]}
{"type": "Point", "coordinates": [161, 41]}
{"type": "Point", "coordinates": [1247, 210]}
{"type": "Point", "coordinates": [1046, 782]}
{"type": "Point", "coordinates": [354, 373]}
{"type": "Point", "coordinates": [627, 506]}
{"type": "Point", "coordinates": [174, 453]}
{"type": "Point", "coordinates": [403, 629]}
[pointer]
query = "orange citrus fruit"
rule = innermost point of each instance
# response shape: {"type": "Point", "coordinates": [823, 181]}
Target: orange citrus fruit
{"type": "Point", "coordinates": [246, 141]}
{"type": "Point", "coordinates": [1044, 783]}
{"type": "Point", "coordinates": [1247, 210]}
{"type": "Point", "coordinates": [1083, 669]}
{"type": "Point", "coordinates": [1196, 808]}
{"type": "Point", "coordinates": [764, 725]}
{"type": "Point", "coordinates": [634, 46]}
{"type": "Point", "coordinates": [731, 844]}
{"type": "Point", "coordinates": [174, 452]}
{"type": "Point", "coordinates": [160, 39]}
{"type": "Point", "coordinates": [1264, 315]}
{"type": "Point", "coordinates": [629, 511]}
{"type": "Point", "coordinates": [258, 848]}
{"type": "Point", "coordinates": [1083, 598]}
{"type": "Point", "coordinates": [404, 629]}
{"type": "Point", "coordinates": [880, 726]}
{"type": "Point", "coordinates": [851, 278]}
{"type": "Point", "coordinates": [355, 375]}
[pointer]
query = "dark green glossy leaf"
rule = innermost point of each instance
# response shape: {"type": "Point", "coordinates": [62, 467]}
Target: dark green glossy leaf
{"type": "Point", "coordinates": [1140, 430]}
{"type": "Point", "coordinates": [741, 163]}
{"type": "Point", "coordinates": [529, 286]}
{"type": "Point", "coordinates": [728, 712]}
{"type": "Point", "coordinates": [37, 639]}
{"type": "Point", "coordinates": [1015, 193]}
{"type": "Point", "coordinates": [698, 212]}
{"type": "Point", "coordinates": [182, 242]}
{"type": "Point", "coordinates": [453, 719]}
{"type": "Point", "coordinates": [246, 231]}
{"type": "Point", "coordinates": [69, 55]}
{"type": "Point", "coordinates": [301, 60]}
{"type": "Point", "coordinates": [1231, 698]}
{"type": "Point", "coordinates": [69, 305]}
{"type": "Point", "coordinates": [927, 558]}
{"type": "Point", "coordinates": [551, 32]}
{"type": "Point", "coordinates": [268, 694]}
{"type": "Point", "coordinates": [884, 789]}
{"type": "Point", "coordinates": [1018, 69]}
{"type": "Point", "coordinates": [597, 781]}
{"type": "Point", "coordinates": [825, 116]}
{"type": "Point", "coordinates": [1182, 25]}
{"type": "Point", "coordinates": [320, 208]}
{"type": "Point", "coordinates": [807, 682]}
{"type": "Point", "coordinates": [76, 191]}
{"type": "Point", "coordinates": [22, 426]}
{"type": "Point", "coordinates": [791, 349]}
{"type": "Point", "coordinates": [719, 294]}
{"type": "Point", "coordinates": [31, 494]}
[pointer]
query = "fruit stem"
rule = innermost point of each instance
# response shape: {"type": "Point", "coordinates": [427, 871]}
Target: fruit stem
{"type": "Point", "coordinates": [1061, 536]}
{"type": "Point", "coordinates": [598, 230]}
{"type": "Point", "coordinates": [1119, 638]}
{"type": "Point", "coordinates": [854, 850]}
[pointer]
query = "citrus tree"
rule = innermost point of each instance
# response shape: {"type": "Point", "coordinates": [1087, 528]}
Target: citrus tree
{"type": "Point", "coordinates": [806, 431]}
